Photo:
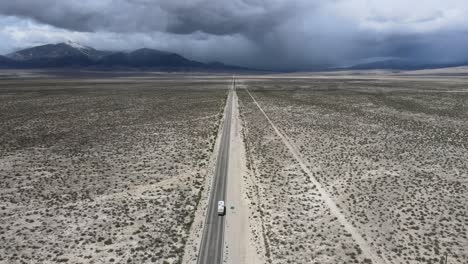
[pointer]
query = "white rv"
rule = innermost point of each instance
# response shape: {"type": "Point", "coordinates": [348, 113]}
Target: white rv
{"type": "Point", "coordinates": [221, 208]}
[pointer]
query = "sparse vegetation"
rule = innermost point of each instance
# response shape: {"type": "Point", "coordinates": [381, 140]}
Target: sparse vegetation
{"type": "Point", "coordinates": [392, 153]}
{"type": "Point", "coordinates": [103, 170]}
{"type": "Point", "coordinates": [113, 171]}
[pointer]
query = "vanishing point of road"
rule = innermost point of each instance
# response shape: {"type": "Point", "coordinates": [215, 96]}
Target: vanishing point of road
{"type": "Point", "coordinates": [212, 244]}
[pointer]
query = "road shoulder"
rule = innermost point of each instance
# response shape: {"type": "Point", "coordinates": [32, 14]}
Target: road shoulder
{"type": "Point", "coordinates": [240, 246]}
{"type": "Point", "coordinates": [194, 240]}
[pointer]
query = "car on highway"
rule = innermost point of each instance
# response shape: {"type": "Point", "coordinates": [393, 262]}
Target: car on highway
{"type": "Point", "coordinates": [221, 208]}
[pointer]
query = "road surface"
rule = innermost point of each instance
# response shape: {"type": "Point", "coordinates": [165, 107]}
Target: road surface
{"type": "Point", "coordinates": [212, 244]}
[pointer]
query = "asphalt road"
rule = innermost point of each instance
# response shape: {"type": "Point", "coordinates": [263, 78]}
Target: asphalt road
{"type": "Point", "coordinates": [212, 244]}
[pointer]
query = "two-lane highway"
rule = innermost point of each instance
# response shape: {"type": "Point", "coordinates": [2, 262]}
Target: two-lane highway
{"type": "Point", "coordinates": [212, 244]}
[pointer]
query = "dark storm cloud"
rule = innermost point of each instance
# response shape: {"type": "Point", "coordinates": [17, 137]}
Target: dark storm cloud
{"type": "Point", "coordinates": [221, 18]}
{"type": "Point", "coordinates": [88, 15]}
{"type": "Point", "coordinates": [275, 34]}
{"type": "Point", "coordinates": [181, 17]}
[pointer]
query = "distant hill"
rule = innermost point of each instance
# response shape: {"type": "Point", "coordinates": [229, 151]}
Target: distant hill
{"type": "Point", "coordinates": [148, 58]}
{"type": "Point", "coordinates": [403, 64]}
{"type": "Point", "coordinates": [4, 59]}
{"type": "Point", "coordinates": [6, 62]}
{"type": "Point", "coordinates": [57, 51]}
{"type": "Point", "coordinates": [75, 55]}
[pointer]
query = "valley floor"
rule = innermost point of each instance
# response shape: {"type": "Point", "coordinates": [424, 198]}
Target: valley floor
{"type": "Point", "coordinates": [332, 168]}
{"type": "Point", "coordinates": [359, 170]}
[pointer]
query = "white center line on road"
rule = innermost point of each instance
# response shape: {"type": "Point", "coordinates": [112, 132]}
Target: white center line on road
{"type": "Point", "coordinates": [357, 237]}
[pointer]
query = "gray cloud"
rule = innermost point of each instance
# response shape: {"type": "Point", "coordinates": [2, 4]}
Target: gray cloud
{"type": "Point", "coordinates": [275, 34]}
{"type": "Point", "coordinates": [180, 17]}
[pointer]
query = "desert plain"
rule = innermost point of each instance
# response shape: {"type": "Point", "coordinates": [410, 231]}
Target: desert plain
{"type": "Point", "coordinates": [390, 151]}
{"type": "Point", "coordinates": [339, 168]}
{"type": "Point", "coordinates": [103, 171]}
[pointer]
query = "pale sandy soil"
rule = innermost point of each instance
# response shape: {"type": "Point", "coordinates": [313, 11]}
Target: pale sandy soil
{"type": "Point", "coordinates": [463, 70]}
{"type": "Point", "coordinates": [241, 245]}
{"type": "Point", "coordinates": [196, 232]}
{"type": "Point", "coordinates": [103, 172]}
{"type": "Point", "coordinates": [391, 154]}
{"type": "Point", "coordinates": [328, 200]}
{"type": "Point", "coordinates": [297, 225]}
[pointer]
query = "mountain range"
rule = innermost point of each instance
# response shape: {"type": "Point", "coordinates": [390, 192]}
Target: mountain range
{"type": "Point", "coordinates": [72, 55]}
{"type": "Point", "coordinates": [75, 55]}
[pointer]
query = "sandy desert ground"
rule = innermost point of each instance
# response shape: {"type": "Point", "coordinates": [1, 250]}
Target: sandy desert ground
{"type": "Point", "coordinates": [366, 168]}
{"type": "Point", "coordinates": [103, 171]}
{"type": "Point", "coordinates": [392, 155]}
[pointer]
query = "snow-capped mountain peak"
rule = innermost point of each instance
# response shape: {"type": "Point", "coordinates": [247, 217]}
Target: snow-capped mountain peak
{"type": "Point", "coordinates": [77, 45]}
{"type": "Point", "coordinates": [73, 54]}
{"type": "Point", "coordinates": [59, 50]}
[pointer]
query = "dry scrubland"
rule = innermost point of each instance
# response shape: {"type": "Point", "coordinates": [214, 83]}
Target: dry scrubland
{"type": "Point", "coordinates": [393, 154]}
{"type": "Point", "coordinates": [102, 171]}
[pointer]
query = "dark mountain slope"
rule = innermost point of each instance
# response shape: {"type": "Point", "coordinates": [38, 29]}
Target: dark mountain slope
{"type": "Point", "coordinates": [54, 51]}
{"type": "Point", "coordinates": [6, 62]}
{"type": "Point", "coordinates": [74, 55]}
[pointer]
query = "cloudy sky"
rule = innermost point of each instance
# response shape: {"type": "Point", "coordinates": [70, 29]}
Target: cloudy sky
{"type": "Point", "coordinates": [270, 34]}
